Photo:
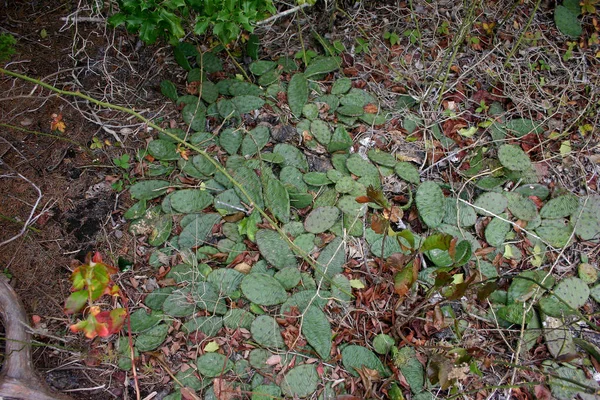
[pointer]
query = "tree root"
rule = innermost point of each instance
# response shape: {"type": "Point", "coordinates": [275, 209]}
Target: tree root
{"type": "Point", "coordinates": [18, 379]}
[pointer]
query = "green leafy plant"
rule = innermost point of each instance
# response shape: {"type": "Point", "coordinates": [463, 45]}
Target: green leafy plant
{"type": "Point", "coordinates": [305, 55]}
{"type": "Point", "coordinates": [413, 35]}
{"type": "Point", "coordinates": [444, 28]}
{"type": "Point", "coordinates": [482, 107]}
{"type": "Point", "coordinates": [7, 46]}
{"type": "Point", "coordinates": [362, 46]}
{"type": "Point", "coordinates": [90, 282]}
{"type": "Point", "coordinates": [392, 37]}
{"type": "Point", "coordinates": [169, 19]}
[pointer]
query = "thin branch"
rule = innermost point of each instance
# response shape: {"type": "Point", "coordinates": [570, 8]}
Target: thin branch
{"type": "Point", "coordinates": [282, 14]}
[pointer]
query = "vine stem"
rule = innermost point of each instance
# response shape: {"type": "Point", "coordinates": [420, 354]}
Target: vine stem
{"type": "Point", "coordinates": [522, 35]}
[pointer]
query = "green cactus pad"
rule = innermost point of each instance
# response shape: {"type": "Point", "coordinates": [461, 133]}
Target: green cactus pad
{"type": "Point", "coordinates": [147, 190]}
{"type": "Point", "coordinates": [266, 332]}
{"type": "Point", "coordinates": [341, 86]}
{"type": "Point", "coordinates": [225, 280]}
{"type": "Point", "coordinates": [297, 93]}
{"type": "Point", "coordinates": [382, 158]}
{"type": "Point", "coordinates": [263, 289]}
{"type": "Point", "coordinates": [513, 158]}
{"type": "Point", "coordinates": [573, 291]}
{"type": "Point", "coordinates": [496, 231]}
{"type": "Point", "coordinates": [241, 88]}
{"type": "Point", "coordinates": [152, 338]}
{"type": "Point", "coordinates": [341, 290]}
{"type": "Point", "coordinates": [408, 172]}
{"type": "Point", "coordinates": [431, 203]}
{"type": "Point", "coordinates": [522, 126]}
{"type": "Point", "coordinates": [457, 210]}
{"type": "Point", "coordinates": [361, 167]}
{"type": "Point", "coordinates": [521, 207]}
{"type": "Point", "coordinates": [356, 357]}
{"type": "Point", "coordinates": [163, 150]}
{"type": "Point", "coordinates": [210, 326]}
{"type": "Point", "coordinates": [230, 140]}
{"type": "Point", "coordinates": [288, 277]}
{"type": "Point", "coordinates": [322, 65]}
{"type": "Point", "coordinates": [560, 207]}
{"type": "Point", "coordinates": [190, 200]}
{"type": "Point", "coordinates": [292, 155]}
{"type": "Point", "coordinates": [274, 249]}
{"type": "Point", "coordinates": [321, 219]}
{"type": "Point", "coordinates": [490, 203]}
{"type": "Point", "coordinates": [300, 381]}
{"type": "Point", "coordinates": [340, 140]}
{"type": "Point", "coordinates": [236, 318]}
{"type": "Point", "coordinates": [141, 320]}
{"type": "Point", "coordinates": [558, 337]}
{"type": "Point", "coordinates": [534, 189]}
{"type": "Point", "coordinates": [331, 259]}
{"type": "Point", "coordinates": [556, 232]}
{"type": "Point", "coordinates": [317, 179]}
{"type": "Point", "coordinates": [320, 131]}
{"type": "Point", "coordinates": [277, 200]}
{"type": "Point", "coordinates": [587, 218]}
{"type": "Point", "coordinates": [255, 140]}
{"type": "Point", "coordinates": [197, 230]}
{"type": "Point", "coordinates": [212, 365]}
{"type": "Point", "coordinates": [317, 331]}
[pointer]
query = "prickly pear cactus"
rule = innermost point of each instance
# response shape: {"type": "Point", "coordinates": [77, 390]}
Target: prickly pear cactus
{"type": "Point", "coordinates": [321, 219]}
{"type": "Point", "coordinates": [587, 218]}
{"type": "Point", "coordinates": [513, 158]}
{"type": "Point", "coordinates": [557, 232]}
{"type": "Point", "coordinates": [573, 291]}
{"type": "Point", "coordinates": [560, 207]}
{"type": "Point", "coordinates": [431, 203]}
{"type": "Point", "coordinates": [297, 93]}
{"type": "Point", "coordinates": [300, 381]}
{"type": "Point", "coordinates": [263, 289]}
{"type": "Point", "coordinates": [265, 331]}
{"type": "Point", "coordinates": [490, 203]}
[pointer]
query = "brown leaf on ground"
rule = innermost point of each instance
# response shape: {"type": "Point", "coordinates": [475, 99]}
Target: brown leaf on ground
{"type": "Point", "coordinates": [225, 391]}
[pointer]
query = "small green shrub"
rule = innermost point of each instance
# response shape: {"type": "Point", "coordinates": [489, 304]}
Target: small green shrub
{"type": "Point", "coordinates": [7, 46]}
{"type": "Point", "coordinates": [169, 19]}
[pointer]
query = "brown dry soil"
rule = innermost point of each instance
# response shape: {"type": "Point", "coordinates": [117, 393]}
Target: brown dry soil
{"type": "Point", "coordinates": [76, 211]}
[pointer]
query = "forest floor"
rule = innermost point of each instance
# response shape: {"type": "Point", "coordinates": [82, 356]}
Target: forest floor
{"type": "Point", "coordinates": [453, 84]}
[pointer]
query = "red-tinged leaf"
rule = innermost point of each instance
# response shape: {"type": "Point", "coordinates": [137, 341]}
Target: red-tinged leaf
{"type": "Point", "coordinates": [486, 290]}
{"type": "Point", "coordinates": [398, 261]}
{"type": "Point", "coordinates": [377, 197]}
{"type": "Point", "coordinates": [78, 279]}
{"type": "Point", "coordinates": [404, 280]}
{"type": "Point", "coordinates": [97, 258]}
{"type": "Point", "coordinates": [363, 199]}
{"type": "Point", "coordinates": [442, 278]}
{"type": "Point", "coordinates": [76, 301]}
{"type": "Point", "coordinates": [461, 288]}
{"type": "Point", "coordinates": [452, 248]}
{"type": "Point", "coordinates": [90, 327]}
{"type": "Point", "coordinates": [440, 241]}
{"type": "Point", "coordinates": [379, 224]}
{"type": "Point", "coordinates": [113, 320]}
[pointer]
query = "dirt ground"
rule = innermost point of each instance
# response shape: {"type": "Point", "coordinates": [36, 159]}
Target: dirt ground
{"type": "Point", "coordinates": [56, 185]}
